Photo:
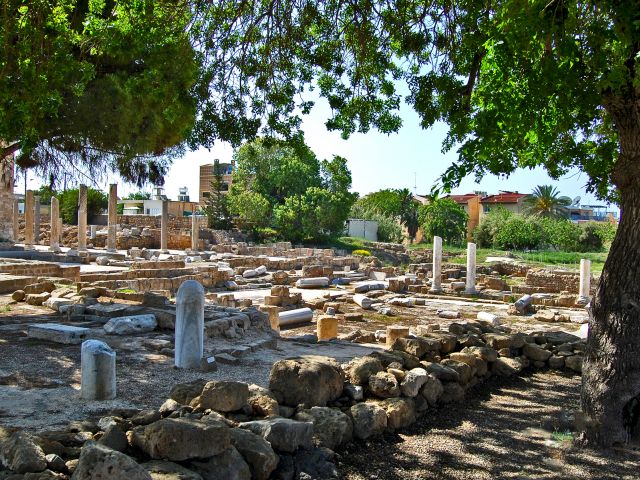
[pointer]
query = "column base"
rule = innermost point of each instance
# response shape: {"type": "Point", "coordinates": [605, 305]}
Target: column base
{"type": "Point", "coordinates": [55, 249]}
{"type": "Point", "coordinates": [470, 291]}
{"type": "Point", "coordinates": [165, 251]}
{"type": "Point", "coordinates": [435, 290]}
{"type": "Point", "coordinates": [584, 301]}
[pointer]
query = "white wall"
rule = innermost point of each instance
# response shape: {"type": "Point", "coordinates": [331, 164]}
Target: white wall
{"type": "Point", "coordinates": [363, 228]}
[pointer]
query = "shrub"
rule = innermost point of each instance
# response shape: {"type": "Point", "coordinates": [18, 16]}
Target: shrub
{"type": "Point", "coordinates": [605, 230]}
{"type": "Point", "coordinates": [97, 201]}
{"type": "Point", "coordinates": [445, 218]}
{"type": "Point", "coordinates": [518, 233]}
{"type": "Point", "coordinates": [266, 235]}
{"type": "Point", "coordinates": [560, 234]}
{"type": "Point", "coordinates": [590, 239]}
{"type": "Point", "coordinates": [484, 234]}
{"type": "Point", "coordinates": [362, 253]}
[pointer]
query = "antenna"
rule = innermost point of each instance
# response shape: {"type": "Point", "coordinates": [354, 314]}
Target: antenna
{"type": "Point", "coordinates": [576, 201]}
{"type": "Point", "coordinates": [415, 183]}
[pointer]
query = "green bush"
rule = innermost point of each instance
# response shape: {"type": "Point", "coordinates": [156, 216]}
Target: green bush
{"type": "Point", "coordinates": [96, 202]}
{"type": "Point", "coordinates": [445, 218]}
{"type": "Point", "coordinates": [560, 234]}
{"type": "Point", "coordinates": [266, 235]}
{"type": "Point", "coordinates": [590, 239]}
{"type": "Point", "coordinates": [519, 233]}
{"type": "Point", "coordinates": [605, 230]}
{"type": "Point", "coordinates": [484, 234]}
{"type": "Point", "coordinates": [361, 253]}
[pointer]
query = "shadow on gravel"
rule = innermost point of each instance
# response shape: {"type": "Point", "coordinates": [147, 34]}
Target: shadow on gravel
{"type": "Point", "coordinates": [495, 433]}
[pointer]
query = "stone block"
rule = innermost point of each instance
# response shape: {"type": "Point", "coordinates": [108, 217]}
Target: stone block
{"type": "Point", "coordinates": [57, 333]}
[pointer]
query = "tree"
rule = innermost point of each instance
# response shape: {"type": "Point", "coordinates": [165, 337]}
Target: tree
{"type": "Point", "coordinates": [520, 84]}
{"type": "Point", "coordinates": [409, 213]}
{"type": "Point", "coordinates": [217, 208]}
{"type": "Point", "coordinates": [97, 202]}
{"type": "Point", "coordinates": [251, 209]}
{"type": "Point", "coordinates": [445, 218]}
{"type": "Point", "coordinates": [545, 202]}
{"type": "Point", "coordinates": [96, 86]}
{"type": "Point", "coordinates": [388, 228]}
{"type": "Point", "coordinates": [396, 203]}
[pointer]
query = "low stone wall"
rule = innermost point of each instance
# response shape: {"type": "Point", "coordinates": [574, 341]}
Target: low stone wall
{"type": "Point", "coordinates": [556, 281]}
{"type": "Point", "coordinates": [34, 268]}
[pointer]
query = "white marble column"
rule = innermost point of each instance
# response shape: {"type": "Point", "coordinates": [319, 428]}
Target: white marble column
{"type": "Point", "coordinates": [98, 371]}
{"type": "Point", "coordinates": [436, 285]}
{"type": "Point", "coordinates": [471, 268]}
{"type": "Point", "coordinates": [112, 218]}
{"type": "Point", "coordinates": [189, 335]}
{"type": "Point", "coordinates": [164, 227]}
{"type": "Point", "coordinates": [16, 220]}
{"type": "Point", "coordinates": [585, 281]}
{"type": "Point", "coordinates": [82, 218]}
{"type": "Point", "coordinates": [54, 233]}
{"type": "Point", "coordinates": [36, 217]}
{"type": "Point", "coordinates": [28, 220]}
{"type": "Point", "coordinates": [93, 231]}
{"type": "Point", "coordinates": [195, 231]}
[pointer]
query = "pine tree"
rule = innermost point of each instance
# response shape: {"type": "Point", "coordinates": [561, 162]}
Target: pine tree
{"type": "Point", "coordinates": [216, 208]}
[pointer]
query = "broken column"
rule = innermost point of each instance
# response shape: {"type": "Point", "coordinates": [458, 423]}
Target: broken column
{"type": "Point", "coordinates": [54, 234]}
{"type": "Point", "coordinates": [585, 281]}
{"type": "Point", "coordinates": [436, 284]}
{"type": "Point", "coordinates": [327, 327]}
{"type": "Point", "coordinates": [16, 220]}
{"type": "Point", "coordinates": [28, 220]}
{"type": "Point", "coordinates": [36, 223]}
{"type": "Point", "coordinates": [396, 331]}
{"type": "Point", "coordinates": [471, 268]}
{"type": "Point", "coordinates": [82, 218]}
{"type": "Point", "coordinates": [164, 227]}
{"type": "Point", "coordinates": [98, 371]}
{"type": "Point", "coordinates": [113, 218]}
{"type": "Point", "coordinates": [195, 232]}
{"type": "Point", "coordinates": [189, 337]}
{"type": "Point", "coordinates": [294, 317]}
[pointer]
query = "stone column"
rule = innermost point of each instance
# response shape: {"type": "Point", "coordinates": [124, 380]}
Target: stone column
{"type": "Point", "coordinates": [471, 268]}
{"type": "Point", "coordinates": [36, 222]}
{"type": "Point", "coordinates": [98, 371]}
{"type": "Point", "coordinates": [189, 336]}
{"type": "Point", "coordinates": [28, 220]}
{"type": "Point", "coordinates": [164, 227]}
{"type": "Point", "coordinates": [195, 231]}
{"type": "Point", "coordinates": [60, 229]}
{"type": "Point", "coordinates": [94, 230]}
{"type": "Point", "coordinates": [54, 233]}
{"type": "Point", "coordinates": [82, 218]}
{"type": "Point", "coordinates": [436, 285]}
{"type": "Point", "coordinates": [16, 220]}
{"type": "Point", "coordinates": [585, 281]}
{"type": "Point", "coordinates": [113, 218]}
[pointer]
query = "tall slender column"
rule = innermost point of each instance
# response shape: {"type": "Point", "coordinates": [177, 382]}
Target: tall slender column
{"type": "Point", "coordinates": [195, 231]}
{"type": "Point", "coordinates": [436, 285]}
{"type": "Point", "coordinates": [164, 227]}
{"type": "Point", "coordinates": [471, 268]}
{"type": "Point", "coordinates": [113, 218]}
{"type": "Point", "coordinates": [585, 281]}
{"type": "Point", "coordinates": [82, 218]}
{"type": "Point", "coordinates": [16, 220]}
{"type": "Point", "coordinates": [36, 222]}
{"type": "Point", "coordinates": [28, 220]}
{"type": "Point", "coordinates": [60, 228]}
{"type": "Point", "coordinates": [54, 240]}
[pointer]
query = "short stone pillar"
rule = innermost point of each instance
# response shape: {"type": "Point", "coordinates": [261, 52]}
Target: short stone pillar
{"type": "Point", "coordinates": [436, 284]}
{"type": "Point", "coordinates": [28, 220]}
{"type": "Point", "coordinates": [54, 233]}
{"type": "Point", "coordinates": [274, 317]}
{"type": "Point", "coordinates": [164, 227]}
{"type": "Point", "coordinates": [112, 218]}
{"type": "Point", "coordinates": [16, 220]}
{"type": "Point", "coordinates": [36, 219]}
{"type": "Point", "coordinates": [327, 327]}
{"type": "Point", "coordinates": [394, 332]}
{"type": "Point", "coordinates": [189, 341]}
{"type": "Point", "coordinates": [93, 231]}
{"type": "Point", "coordinates": [471, 269]}
{"type": "Point", "coordinates": [585, 281]}
{"type": "Point", "coordinates": [98, 371]}
{"type": "Point", "coordinates": [82, 218]}
{"type": "Point", "coordinates": [195, 232]}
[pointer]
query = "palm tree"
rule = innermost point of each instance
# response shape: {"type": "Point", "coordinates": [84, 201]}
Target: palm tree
{"type": "Point", "coordinates": [545, 201]}
{"type": "Point", "coordinates": [409, 212]}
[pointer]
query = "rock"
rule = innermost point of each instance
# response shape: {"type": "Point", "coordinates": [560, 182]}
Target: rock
{"type": "Point", "coordinates": [256, 451]}
{"type": "Point", "coordinates": [264, 405]}
{"type": "Point", "coordinates": [556, 363]}
{"type": "Point", "coordinates": [441, 372]}
{"type": "Point", "coordinates": [400, 412]}
{"type": "Point", "coordinates": [536, 353]}
{"type": "Point", "coordinates": [103, 261]}
{"type": "Point", "coordinates": [487, 354]}
{"type": "Point", "coordinates": [451, 393]}
{"type": "Point", "coordinates": [465, 372]}
{"type": "Point", "coordinates": [37, 299]}
{"type": "Point", "coordinates": [497, 341]}
{"type": "Point", "coordinates": [179, 439]}
{"type": "Point", "coordinates": [100, 462]}
{"type": "Point", "coordinates": [413, 381]}
{"type": "Point", "coordinates": [21, 454]}
{"type": "Point", "coordinates": [384, 385]}
{"type": "Point", "coordinates": [162, 470]}
{"type": "Point", "coordinates": [331, 427]}
{"type": "Point", "coordinates": [507, 366]}
{"type": "Point", "coordinates": [315, 464]}
{"type": "Point", "coordinates": [369, 419]}
{"type": "Point", "coordinates": [574, 363]}
{"type": "Point", "coordinates": [224, 396]}
{"type": "Point", "coordinates": [310, 381]}
{"type": "Point", "coordinates": [431, 389]}
{"type": "Point", "coordinates": [18, 295]}
{"type": "Point", "coordinates": [56, 463]}
{"type": "Point", "coordinates": [545, 316]}
{"type": "Point", "coordinates": [145, 417]}
{"type": "Point", "coordinates": [114, 438]}
{"type": "Point", "coordinates": [416, 346]}
{"type": "Point", "coordinates": [284, 434]}
{"type": "Point", "coordinates": [131, 324]}
{"type": "Point", "coordinates": [354, 392]}
{"type": "Point", "coordinates": [183, 393]}
{"type": "Point", "coordinates": [449, 314]}
{"type": "Point", "coordinates": [228, 465]}
{"type": "Point", "coordinates": [360, 369]}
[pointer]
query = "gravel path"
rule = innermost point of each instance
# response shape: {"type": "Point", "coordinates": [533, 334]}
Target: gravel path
{"type": "Point", "coordinates": [495, 434]}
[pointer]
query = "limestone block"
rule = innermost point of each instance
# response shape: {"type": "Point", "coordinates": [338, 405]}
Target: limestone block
{"type": "Point", "coordinates": [57, 333]}
{"type": "Point", "coordinates": [284, 434]}
{"type": "Point", "coordinates": [394, 332]}
{"type": "Point", "coordinates": [369, 419]}
{"type": "Point", "coordinates": [327, 327]}
{"type": "Point", "coordinates": [362, 300]}
{"type": "Point", "coordinates": [131, 325]}
{"type": "Point", "coordinates": [98, 461]}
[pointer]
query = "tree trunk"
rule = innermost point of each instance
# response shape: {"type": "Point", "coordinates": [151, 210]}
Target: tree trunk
{"type": "Point", "coordinates": [611, 369]}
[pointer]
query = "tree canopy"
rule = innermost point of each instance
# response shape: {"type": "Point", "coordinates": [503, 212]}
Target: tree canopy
{"type": "Point", "coordinates": [545, 201]}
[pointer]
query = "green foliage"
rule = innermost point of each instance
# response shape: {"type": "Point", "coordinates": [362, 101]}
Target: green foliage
{"type": "Point", "coordinates": [561, 234]}
{"type": "Point", "coordinates": [398, 204]}
{"type": "Point", "coordinates": [590, 239]}
{"type": "Point", "coordinates": [266, 235]}
{"type": "Point", "coordinates": [251, 209]}
{"type": "Point", "coordinates": [605, 230]}
{"type": "Point", "coordinates": [518, 233]}
{"type": "Point", "coordinates": [217, 205]}
{"type": "Point", "coordinates": [388, 228]}
{"type": "Point", "coordinates": [484, 234]}
{"type": "Point", "coordinates": [545, 202]}
{"type": "Point", "coordinates": [97, 202]}
{"type": "Point", "coordinates": [45, 193]}
{"type": "Point", "coordinates": [445, 218]}
{"type": "Point", "coordinates": [361, 253]}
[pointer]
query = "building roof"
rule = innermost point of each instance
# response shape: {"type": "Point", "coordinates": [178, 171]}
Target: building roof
{"type": "Point", "coordinates": [503, 197]}
{"type": "Point", "coordinates": [462, 199]}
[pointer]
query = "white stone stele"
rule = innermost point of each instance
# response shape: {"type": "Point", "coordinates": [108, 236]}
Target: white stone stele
{"type": "Point", "coordinates": [93, 231]}
{"type": "Point", "coordinates": [189, 337]}
{"type": "Point", "coordinates": [436, 284]}
{"type": "Point", "coordinates": [294, 317]}
{"type": "Point", "coordinates": [585, 280]}
{"type": "Point", "coordinates": [471, 269]}
{"type": "Point", "coordinates": [98, 371]}
{"type": "Point", "coordinates": [362, 300]}
{"type": "Point", "coordinates": [313, 282]}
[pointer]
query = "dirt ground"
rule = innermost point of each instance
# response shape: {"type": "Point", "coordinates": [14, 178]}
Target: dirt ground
{"type": "Point", "coordinates": [497, 433]}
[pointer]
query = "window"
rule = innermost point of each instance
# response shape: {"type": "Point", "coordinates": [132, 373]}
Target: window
{"type": "Point", "coordinates": [206, 194]}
